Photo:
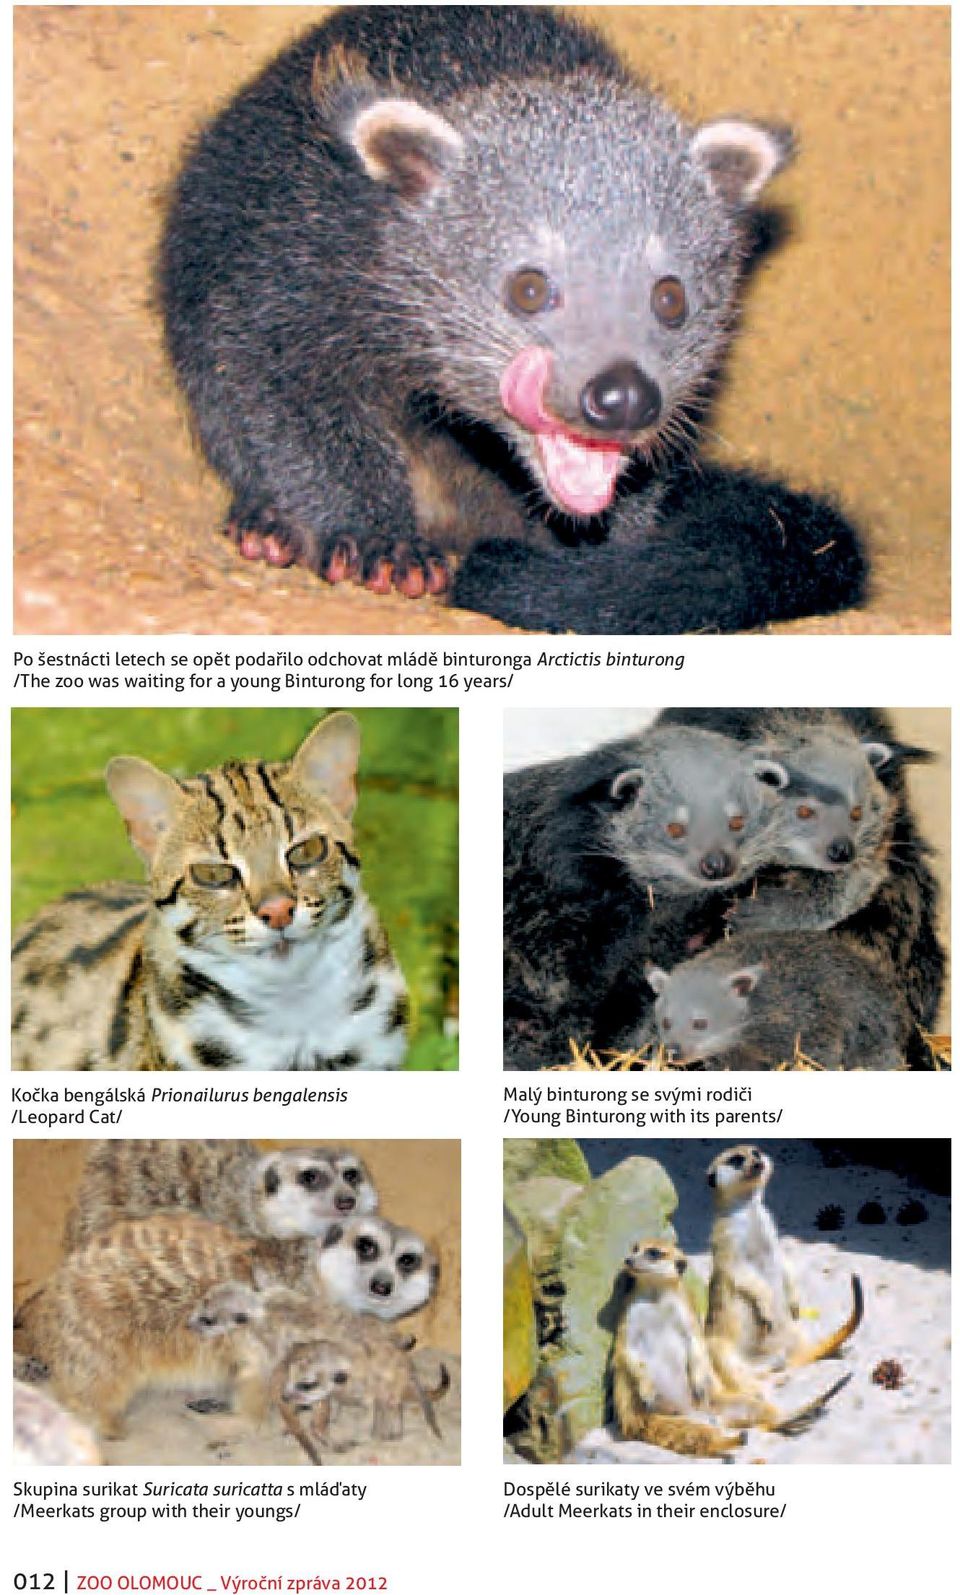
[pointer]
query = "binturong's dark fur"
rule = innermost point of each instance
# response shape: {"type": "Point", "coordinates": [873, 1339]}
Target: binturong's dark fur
{"type": "Point", "coordinates": [448, 281]}
{"type": "Point", "coordinates": [713, 823]}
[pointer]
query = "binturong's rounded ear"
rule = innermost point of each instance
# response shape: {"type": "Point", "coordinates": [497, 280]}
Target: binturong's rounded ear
{"type": "Point", "coordinates": [625, 786]}
{"type": "Point", "coordinates": [877, 754]}
{"type": "Point", "coordinates": [744, 981]}
{"type": "Point", "coordinates": [656, 978]}
{"type": "Point", "coordinates": [398, 141]}
{"type": "Point", "coordinates": [772, 774]}
{"type": "Point", "coordinates": [740, 158]}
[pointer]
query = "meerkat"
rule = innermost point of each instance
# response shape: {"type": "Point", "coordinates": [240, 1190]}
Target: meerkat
{"type": "Point", "coordinates": [289, 1191]}
{"type": "Point", "coordinates": [276, 1331]}
{"type": "Point", "coordinates": [380, 1379]}
{"type": "Point", "coordinates": [753, 1306]}
{"type": "Point", "coordinates": [661, 1371]}
{"type": "Point", "coordinates": [113, 1318]}
{"type": "Point", "coordinates": [662, 1368]}
{"type": "Point", "coordinates": [369, 1265]}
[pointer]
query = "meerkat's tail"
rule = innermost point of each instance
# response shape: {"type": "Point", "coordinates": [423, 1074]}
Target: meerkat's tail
{"type": "Point", "coordinates": [426, 1398]}
{"type": "Point", "coordinates": [798, 1422]}
{"type": "Point", "coordinates": [831, 1345]}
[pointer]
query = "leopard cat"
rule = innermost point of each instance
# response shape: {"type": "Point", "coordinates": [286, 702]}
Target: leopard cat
{"type": "Point", "coordinates": [252, 946]}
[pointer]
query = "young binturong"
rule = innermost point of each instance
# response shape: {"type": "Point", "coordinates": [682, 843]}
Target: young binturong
{"type": "Point", "coordinates": [449, 282]}
{"type": "Point", "coordinates": [759, 1001]}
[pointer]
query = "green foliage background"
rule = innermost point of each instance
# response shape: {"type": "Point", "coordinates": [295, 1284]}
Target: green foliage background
{"type": "Point", "coordinates": [67, 833]}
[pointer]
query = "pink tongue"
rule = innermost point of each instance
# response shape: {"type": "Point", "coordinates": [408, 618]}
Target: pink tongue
{"type": "Point", "coordinates": [580, 472]}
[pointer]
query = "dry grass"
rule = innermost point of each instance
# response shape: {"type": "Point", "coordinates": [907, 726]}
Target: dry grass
{"type": "Point", "coordinates": [653, 1057]}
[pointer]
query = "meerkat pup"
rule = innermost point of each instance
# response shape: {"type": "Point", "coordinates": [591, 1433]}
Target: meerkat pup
{"type": "Point", "coordinates": [290, 1191]}
{"type": "Point", "coordinates": [279, 1334]}
{"type": "Point", "coordinates": [753, 1306]}
{"type": "Point", "coordinates": [380, 1379]}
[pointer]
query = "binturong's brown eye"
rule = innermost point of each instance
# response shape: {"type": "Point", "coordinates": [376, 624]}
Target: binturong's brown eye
{"type": "Point", "coordinates": [529, 292]}
{"type": "Point", "coordinates": [856, 814]}
{"type": "Point", "coordinates": [676, 830]}
{"type": "Point", "coordinates": [804, 811]}
{"type": "Point", "coordinates": [668, 302]}
{"type": "Point", "coordinates": [736, 822]}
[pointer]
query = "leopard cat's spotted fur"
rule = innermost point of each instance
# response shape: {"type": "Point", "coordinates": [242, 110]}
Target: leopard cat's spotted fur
{"type": "Point", "coordinates": [252, 946]}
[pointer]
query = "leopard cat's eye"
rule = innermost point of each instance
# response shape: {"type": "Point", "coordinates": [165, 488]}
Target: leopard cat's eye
{"type": "Point", "coordinates": [213, 875]}
{"type": "Point", "coordinates": [312, 850]}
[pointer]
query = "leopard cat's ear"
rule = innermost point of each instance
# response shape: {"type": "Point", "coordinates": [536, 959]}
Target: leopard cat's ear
{"type": "Point", "coordinates": [326, 762]}
{"type": "Point", "coordinates": [147, 799]}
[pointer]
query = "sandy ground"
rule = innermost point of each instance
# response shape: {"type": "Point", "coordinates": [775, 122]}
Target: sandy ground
{"type": "Point", "coordinates": [840, 379]}
{"type": "Point", "coordinates": [905, 1270]}
{"type": "Point", "coordinates": [419, 1185]}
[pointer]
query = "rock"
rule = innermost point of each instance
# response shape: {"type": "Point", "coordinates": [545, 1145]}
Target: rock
{"type": "Point", "coordinates": [527, 1159]}
{"type": "Point", "coordinates": [541, 1206]}
{"type": "Point", "coordinates": [519, 1328]}
{"type": "Point", "coordinates": [635, 1199]}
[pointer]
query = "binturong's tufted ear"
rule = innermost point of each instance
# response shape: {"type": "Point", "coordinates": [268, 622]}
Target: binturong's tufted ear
{"type": "Point", "coordinates": [740, 158]}
{"type": "Point", "coordinates": [398, 141]}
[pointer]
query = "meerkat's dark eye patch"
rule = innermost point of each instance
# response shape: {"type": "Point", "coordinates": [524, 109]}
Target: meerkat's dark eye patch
{"type": "Point", "coordinates": [271, 1180]}
{"type": "Point", "coordinates": [313, 1179]}
{"type": "Point", "coordinates": [737, 1160]}
{"type": "Point", "coordinates": [366, 1249]}
{"type": "Point", "coordinates": [653, 1254]}
{"type": "Point", "coordinates": [241, 1318]}
{"type": "Point", "coordinates": [332, 1237]}
{"type": "Point", "coordinates": [409, 1262]}
{"type": "Point", "coordinates": [350, 1176]}
{"type": "Point", "coordinates": [307, 1384]}
{"type": "Point", "coordinates": [340, 1377]}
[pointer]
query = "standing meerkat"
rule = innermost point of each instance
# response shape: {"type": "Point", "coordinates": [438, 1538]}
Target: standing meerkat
{"type": "Point", "coordinates": [291, 1191]}
{"type": "Point", "coordinates": [753, 1306]}
{"type": "Point", "coordinates": [113, 1318]}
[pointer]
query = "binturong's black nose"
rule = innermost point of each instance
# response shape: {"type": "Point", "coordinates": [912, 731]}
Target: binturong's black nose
{"type": "Point", "coordinates": [840, 850]}
{"type": "Point", "coordinates": [716, 866]}
{"type": "Point", "coordinates": [620, 399]}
